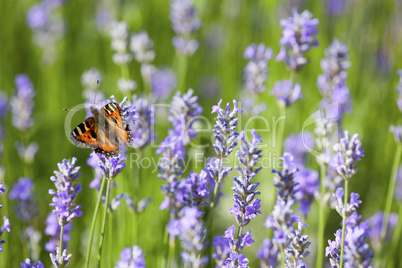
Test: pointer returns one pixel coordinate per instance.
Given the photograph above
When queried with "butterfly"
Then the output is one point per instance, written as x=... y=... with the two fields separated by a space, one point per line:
x=105 y=132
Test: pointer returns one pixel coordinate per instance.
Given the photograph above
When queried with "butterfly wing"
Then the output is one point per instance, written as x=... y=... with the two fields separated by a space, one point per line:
x=113 y=112
x=86 y=134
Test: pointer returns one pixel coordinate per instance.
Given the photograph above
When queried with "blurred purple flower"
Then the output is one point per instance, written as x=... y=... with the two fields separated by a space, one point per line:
x=398 y=188
x=298 y=37
x=376 y=223
x=131 y=258
x=256 y=70
x=163 y=82
x=22 y=194
x=268 y=253
x=3 y=105
x=53 y=229
x=27 y=154
x=336 y=7
x=185 y=47
x=22 y=103
x=126 y=85
x=142 y=47
x=397 y=131
x=37 y=16
x=299 y=145
x=222 y=250
x=308 y=185
x=119 y=42
x=286 y=92
x=399 y=90
x=63 y=198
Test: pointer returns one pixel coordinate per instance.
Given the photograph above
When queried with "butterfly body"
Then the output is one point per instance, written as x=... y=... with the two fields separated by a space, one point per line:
x=105 y=132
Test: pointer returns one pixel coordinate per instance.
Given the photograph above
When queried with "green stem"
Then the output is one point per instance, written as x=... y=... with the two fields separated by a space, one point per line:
x=110 y=220
x=391 y=189
x=165 y=245
x=172 y=242
x=137 y=183
x=395 y=241
x=321 y=218
x=183 y=62
x=91 y=235
x=345 y=202
x=104 y=222
x=61 y=243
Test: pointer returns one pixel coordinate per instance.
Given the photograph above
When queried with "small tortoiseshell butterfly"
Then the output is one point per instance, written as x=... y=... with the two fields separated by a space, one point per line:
x=105 y=132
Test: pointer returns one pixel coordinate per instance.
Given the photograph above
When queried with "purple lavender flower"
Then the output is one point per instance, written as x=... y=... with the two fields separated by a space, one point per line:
x=3 y=105
x=376 y=223
x=141 y=123
x=163 y=82
x=112 y=166
x=22 y=103
x=196 y=189
x=183 y=114
x=332 y=83
x=354 y=203
x=308 y=185
x=399 y=90
x=238 y=243
x=22 y=194
x=249 y=155
x=131 y=258
x=242 y=261
x=268 y=254
x=28 y=264
x=191 y=232
x=142 y=47
x=298 y=37
x=397 y=131
x=53 y=229
x=63 y=198
x=222 y=250
x=285 y=180
x=5 y=227
x=286 y=92
x=256 y=70
x=398 y=188
x=297 y=248
x=60 y=257
x=37 y=16
x=349 y=152
x=184 y=20
x=224 y=128
x=28 y=153
x=298 y=145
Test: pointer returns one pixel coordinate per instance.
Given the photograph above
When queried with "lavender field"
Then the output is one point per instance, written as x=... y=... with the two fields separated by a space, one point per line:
x=189 y=133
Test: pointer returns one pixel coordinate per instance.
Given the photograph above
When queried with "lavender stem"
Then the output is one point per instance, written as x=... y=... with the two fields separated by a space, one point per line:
x=391 y=189
x=61 y=243
x=104 y=222
x=91 y=235
x=322 y=219
x=345 y=203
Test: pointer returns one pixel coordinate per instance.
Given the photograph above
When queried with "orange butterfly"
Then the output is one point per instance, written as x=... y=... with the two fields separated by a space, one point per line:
x=105 y=132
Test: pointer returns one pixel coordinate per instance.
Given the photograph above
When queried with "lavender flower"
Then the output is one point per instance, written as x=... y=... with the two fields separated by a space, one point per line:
x=22 y=194
x=5 y=227
x=142 y=122
x=142 y=47
x=134 y=258
x=163 y=82
x=298 y=37
x=298 y=145
x=224 y=128
x=60 y=257
x=238 y=243
x=397 y=131
x=53 y=229
x=332 y=83
x=22 y=103
x=196 y=189
x=350 y=207
x=3 y=105
x=399 y=90
x=119 y=34
x=184 y=20
x=28 y=153
x=222 y=250
x=268 y=254
x=308 y=186
x=183 y=114
x=256 y=70
x=349 y=152
x=249 y=155
x=112 y=166
x=398 y=188
x=242 y=261
x=376 y=223
x=191 y=231
x=297 y=248
x=28 y=264
x=63 y=198
x=285 y=180
x=286 y=92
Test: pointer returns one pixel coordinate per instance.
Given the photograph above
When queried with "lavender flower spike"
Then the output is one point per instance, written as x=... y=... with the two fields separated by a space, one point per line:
x=112 y=166
x=298 y=36
x=349 y=152
x=399 y=90
x=28 y=264
x=63 y=198
x=142 y=47
x=224 y=129
x=60 y=258
x=286 y=92
x=22 y=103
x=249 y=155
x=134 y=258
x=5 y=227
